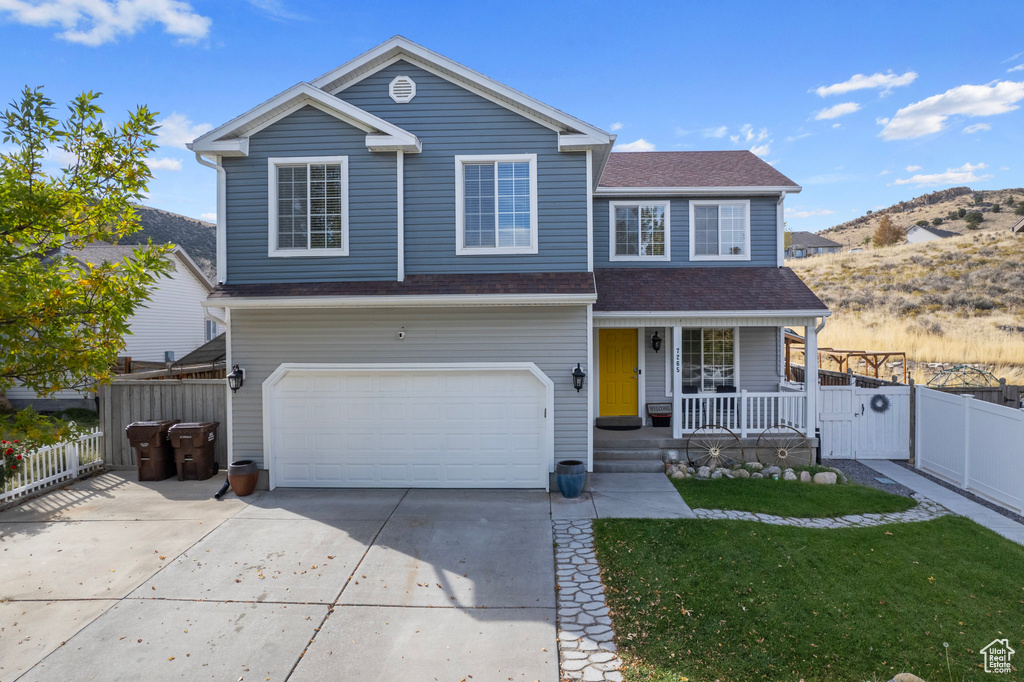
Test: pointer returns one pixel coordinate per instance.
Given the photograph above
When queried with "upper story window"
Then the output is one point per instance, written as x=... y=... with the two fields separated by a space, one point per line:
x=496 y=204
x=720 y=230
x=640 y=230
x=308 y=203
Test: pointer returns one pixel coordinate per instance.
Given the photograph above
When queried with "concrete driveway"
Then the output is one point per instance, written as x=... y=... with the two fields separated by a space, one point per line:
x=112 y=579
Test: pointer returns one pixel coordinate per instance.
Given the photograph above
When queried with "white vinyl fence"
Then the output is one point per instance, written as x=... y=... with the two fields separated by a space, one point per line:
x=53 y=464
x=974 y=444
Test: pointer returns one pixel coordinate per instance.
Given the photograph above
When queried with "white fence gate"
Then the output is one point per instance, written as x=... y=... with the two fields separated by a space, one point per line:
x=865 y=423
x=974 y=444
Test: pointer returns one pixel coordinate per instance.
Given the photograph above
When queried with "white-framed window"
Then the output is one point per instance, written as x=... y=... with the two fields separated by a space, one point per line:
x=708 y=357
x=211 y=330
x=496 y=204
x=308 y=206
x=720 y=230
x=639 y=230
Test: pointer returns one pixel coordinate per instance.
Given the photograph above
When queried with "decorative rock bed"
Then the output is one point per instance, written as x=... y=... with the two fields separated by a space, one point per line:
x=753 y=470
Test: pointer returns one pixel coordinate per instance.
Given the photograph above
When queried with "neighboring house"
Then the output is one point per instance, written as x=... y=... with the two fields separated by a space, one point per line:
x=414 y=260
x=1018 y=228
x=926 y=233
x=173 y=320
x=804 y=244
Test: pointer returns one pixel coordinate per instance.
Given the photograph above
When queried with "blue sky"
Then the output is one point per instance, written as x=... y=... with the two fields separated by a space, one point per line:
x=863 y=107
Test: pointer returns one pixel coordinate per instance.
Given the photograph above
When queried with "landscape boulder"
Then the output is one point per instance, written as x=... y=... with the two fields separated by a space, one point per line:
x=906 y=677
x=717 y=474
x=789 y=476
x=825 y=478
x=772 y=471
x=704 y=472
x=805 y=477
x=754 y=466
x=741 y=473
x=757 y=474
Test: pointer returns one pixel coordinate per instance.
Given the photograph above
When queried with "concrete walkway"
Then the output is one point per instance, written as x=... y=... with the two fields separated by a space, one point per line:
x=649 y=496
x=958 y=504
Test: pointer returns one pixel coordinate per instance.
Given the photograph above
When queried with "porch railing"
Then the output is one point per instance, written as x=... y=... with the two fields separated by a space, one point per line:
x=54 y=464
x=745 y=413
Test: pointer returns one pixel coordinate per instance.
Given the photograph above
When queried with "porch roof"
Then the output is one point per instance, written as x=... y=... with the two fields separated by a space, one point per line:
x=740 y=290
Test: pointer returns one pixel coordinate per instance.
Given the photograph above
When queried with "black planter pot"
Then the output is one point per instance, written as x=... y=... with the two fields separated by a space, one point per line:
x=571 y=475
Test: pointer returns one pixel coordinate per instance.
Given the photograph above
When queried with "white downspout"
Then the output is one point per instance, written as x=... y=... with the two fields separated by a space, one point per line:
x=400 y=183
x=222 y=219
x=780 y=217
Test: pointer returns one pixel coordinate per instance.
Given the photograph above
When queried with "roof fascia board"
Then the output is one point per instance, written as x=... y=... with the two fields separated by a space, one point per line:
x=713 y=313
x=693 y=191
x=402 y=47
x=192 y=267
x=387 y=301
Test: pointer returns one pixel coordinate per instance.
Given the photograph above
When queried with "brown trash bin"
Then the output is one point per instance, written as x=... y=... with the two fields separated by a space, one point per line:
x=193 y=449
x=152 y=448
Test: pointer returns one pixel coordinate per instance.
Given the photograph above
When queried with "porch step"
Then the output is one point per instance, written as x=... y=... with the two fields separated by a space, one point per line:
x=619 y=423
x=638 y=454
x=627 y=466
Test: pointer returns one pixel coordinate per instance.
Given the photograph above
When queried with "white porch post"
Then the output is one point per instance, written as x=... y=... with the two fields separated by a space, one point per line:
x=677 y=382
x=811 y=376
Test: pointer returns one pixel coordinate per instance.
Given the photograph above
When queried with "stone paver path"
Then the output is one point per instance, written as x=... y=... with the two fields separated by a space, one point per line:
x=926 y=510
x=585 y=646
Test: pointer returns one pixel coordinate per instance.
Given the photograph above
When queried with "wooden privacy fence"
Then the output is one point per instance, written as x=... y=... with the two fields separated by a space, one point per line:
x=974 y=444
x=190 y=400
x=827 y=377
x=1003 y=394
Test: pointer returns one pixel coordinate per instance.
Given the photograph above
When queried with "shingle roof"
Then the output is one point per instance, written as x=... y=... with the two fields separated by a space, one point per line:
x=213 y=351
x=810 y=239
x=564 y=283
x=936 y=231
x=690 y=169
x=703 y=290
x=97 y=254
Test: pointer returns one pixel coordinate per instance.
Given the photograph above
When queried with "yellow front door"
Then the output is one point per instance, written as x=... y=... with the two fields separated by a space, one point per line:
x=618 y=372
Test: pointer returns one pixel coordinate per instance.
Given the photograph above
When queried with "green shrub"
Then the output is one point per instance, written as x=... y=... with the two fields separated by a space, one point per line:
x=936 y=221
x=961 y=212
x=973 y=219
x=996 y=208
x=922 y=223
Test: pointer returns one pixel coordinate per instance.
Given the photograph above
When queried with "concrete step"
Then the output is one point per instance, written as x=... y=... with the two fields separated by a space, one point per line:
x=645 y=454
x=625 y=466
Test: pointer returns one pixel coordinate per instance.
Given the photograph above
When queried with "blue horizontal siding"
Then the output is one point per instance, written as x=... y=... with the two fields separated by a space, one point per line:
x=372 y=213
x=763 y=235
x=449 y=121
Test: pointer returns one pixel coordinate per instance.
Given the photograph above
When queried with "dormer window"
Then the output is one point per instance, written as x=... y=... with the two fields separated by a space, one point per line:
x=308 y=206
x=496 y=204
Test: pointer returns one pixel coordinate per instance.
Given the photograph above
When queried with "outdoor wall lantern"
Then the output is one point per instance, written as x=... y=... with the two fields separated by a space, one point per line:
x=236 y=378
x=656 y=342
x=577 y=378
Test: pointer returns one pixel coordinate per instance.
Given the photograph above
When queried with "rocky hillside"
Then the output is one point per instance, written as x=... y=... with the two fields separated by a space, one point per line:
x=936 y=205
x=198 y=238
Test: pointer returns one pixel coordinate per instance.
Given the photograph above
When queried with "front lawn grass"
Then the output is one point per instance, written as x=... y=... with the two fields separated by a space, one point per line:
x=789 y=498
x=741 y=600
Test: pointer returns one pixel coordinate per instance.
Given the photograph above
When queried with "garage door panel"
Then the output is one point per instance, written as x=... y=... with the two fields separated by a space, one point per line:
x=423 y=428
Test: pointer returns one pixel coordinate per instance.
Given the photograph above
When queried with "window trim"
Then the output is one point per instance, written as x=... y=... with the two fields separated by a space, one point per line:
x=460 y=205
x=612 y=205
x=272 y=209
x=746 y=231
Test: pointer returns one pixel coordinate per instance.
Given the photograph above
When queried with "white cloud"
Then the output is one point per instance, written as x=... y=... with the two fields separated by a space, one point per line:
x=208 y=217
x=911 y=169
x=95 y=22
x=717 y=133
x=837 y=125
x=747 y=131
x=977 y=128
x=177 y=129
x=930 y=115
x=881 y=81
x=794 y=138
x=615 y=127
x=762 y=149
x=885 y=172
x=164 y=164
x=837 y=111
x=791 y=213
x=640 y=145
x=953 y=176
x=275 y=9
x=1004 y=168
x=1019 y=67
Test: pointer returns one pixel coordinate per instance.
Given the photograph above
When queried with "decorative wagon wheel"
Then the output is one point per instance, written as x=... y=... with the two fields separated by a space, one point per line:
x=783 y=446
x=713 y=446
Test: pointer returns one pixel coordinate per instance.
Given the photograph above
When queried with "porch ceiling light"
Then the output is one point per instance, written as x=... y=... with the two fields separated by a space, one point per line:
x=577 y=378
x=656 y=342
x=236 y=378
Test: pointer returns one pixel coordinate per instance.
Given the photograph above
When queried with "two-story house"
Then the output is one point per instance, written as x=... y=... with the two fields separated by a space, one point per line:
x=431 y=279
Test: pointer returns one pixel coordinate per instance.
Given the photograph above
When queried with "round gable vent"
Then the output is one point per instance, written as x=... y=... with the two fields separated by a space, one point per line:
x=402 y=89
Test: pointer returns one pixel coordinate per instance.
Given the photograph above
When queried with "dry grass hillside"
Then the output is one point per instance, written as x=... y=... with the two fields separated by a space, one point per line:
x=936 y=205
x=952 y=300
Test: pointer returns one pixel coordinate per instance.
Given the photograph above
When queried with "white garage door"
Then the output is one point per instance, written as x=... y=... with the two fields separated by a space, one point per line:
x=399 y=427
